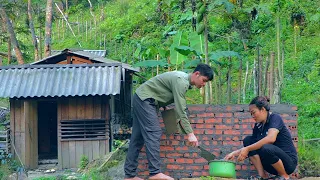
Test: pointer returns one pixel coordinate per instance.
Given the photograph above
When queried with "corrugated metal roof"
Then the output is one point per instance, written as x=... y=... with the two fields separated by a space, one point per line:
x=60 y=80
x=98 y=53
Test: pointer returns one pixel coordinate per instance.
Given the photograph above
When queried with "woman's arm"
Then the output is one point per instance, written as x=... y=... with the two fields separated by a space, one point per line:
x=269 y=139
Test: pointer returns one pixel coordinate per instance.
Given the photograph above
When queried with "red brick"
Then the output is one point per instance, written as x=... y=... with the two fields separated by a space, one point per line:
x=143 y=173
x=222 y=127
x=169 y=160
x=205 y=115
x=205 y=173
x=201 y=160
x=198 y=131
x=251 y=120
x=214 y=142
x=238 y=167
x=142 y=166
x=231 y=132
x=217 y=132
x=206 y=142
x=204 y=138
x=185 y=161
x=178 y=167
x=193 y=167
x=235 y=120
x=229 y=108
x=196 y=108
x=228 y=121
x=245 y=126
x=197 y=174
x=210 y=120
x=235 y=138
x=174 y=154
x=190 y=155
x=166 y=148
x=183 y=148
x=196 y=120
x=206 y=167
x=208 y=126
x=242 y=114
x=247 y=132
x=208 y=131
x=237 y=126
x=200 y=126
x=162 y=154
x=224 y=115
x=244 y=167
x=192 y=115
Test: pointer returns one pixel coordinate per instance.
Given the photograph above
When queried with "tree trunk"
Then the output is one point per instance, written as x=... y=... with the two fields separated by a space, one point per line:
x=260 y=74
x=254 y=74
x=271 y=86
x=0 y=61
x=245 y=82
x=33 y=34
x=12 y=35
x=239 y=82
x=207 y=88
x=229 y=76
x=278 y=70
x=48 y=31
x=265 y=78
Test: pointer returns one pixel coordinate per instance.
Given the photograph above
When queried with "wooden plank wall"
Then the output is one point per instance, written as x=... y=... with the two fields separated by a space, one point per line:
x=72 y=108
x=24 y=131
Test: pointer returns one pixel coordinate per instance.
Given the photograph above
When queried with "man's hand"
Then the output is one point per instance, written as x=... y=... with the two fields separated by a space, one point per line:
x=193 y=141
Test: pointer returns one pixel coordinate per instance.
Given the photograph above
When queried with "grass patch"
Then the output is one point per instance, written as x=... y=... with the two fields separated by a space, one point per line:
x=309 y=158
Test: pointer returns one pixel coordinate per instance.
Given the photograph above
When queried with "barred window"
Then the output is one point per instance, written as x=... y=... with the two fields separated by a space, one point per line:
x=86 y=129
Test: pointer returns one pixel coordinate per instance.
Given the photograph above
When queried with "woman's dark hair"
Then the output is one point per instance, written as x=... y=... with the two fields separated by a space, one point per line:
x=205 y=70
x=260 y=102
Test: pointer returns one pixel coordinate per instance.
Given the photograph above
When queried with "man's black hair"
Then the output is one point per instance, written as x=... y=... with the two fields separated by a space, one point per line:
x=205 y=70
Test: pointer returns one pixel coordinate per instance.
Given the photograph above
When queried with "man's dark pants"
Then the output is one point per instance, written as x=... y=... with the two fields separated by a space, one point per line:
x=270 y=154
x=145 y=130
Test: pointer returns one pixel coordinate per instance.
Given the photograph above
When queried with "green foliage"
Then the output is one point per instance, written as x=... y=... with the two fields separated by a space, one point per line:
x=46 y=178
x=5 y=171
x=309 y=158
x=84 y=161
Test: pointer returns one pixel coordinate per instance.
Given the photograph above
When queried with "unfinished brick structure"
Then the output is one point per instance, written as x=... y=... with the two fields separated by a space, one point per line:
x=221 y=129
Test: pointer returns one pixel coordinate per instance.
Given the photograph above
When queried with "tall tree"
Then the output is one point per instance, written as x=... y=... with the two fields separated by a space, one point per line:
x=12 y=34
x=48 y=31
x=34 y=39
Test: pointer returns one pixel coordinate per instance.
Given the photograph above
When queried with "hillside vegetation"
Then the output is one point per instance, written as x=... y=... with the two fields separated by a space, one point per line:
x=163 y=35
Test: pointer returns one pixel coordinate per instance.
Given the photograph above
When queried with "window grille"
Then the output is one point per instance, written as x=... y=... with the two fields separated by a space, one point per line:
x=87 y=129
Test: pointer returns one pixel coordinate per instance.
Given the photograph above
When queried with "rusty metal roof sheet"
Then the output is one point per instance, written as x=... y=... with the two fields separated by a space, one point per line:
x=99 y=53
x=60 y=80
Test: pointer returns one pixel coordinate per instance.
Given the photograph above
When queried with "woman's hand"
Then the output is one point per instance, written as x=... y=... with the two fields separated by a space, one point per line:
x=232 y=155
x=243 y=154
x=229 y=156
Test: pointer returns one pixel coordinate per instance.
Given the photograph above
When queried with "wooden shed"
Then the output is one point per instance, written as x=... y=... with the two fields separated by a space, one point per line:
x=62 y=106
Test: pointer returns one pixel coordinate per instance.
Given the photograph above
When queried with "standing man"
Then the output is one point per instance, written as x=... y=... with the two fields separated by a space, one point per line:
x=160 y=91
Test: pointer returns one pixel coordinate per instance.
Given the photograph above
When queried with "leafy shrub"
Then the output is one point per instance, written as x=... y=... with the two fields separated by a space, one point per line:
x=83 y=162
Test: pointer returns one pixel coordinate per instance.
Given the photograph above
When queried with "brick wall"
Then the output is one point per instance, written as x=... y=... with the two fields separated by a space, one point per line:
x=221 y=129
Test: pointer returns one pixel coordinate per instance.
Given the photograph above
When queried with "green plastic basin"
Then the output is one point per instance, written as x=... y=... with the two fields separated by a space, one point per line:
x=222 y=168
